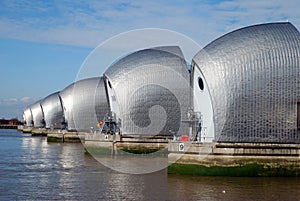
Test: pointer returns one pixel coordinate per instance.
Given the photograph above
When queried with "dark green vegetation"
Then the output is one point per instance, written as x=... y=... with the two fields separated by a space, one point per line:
x=245 y=170
x=98 y=151
x=144 y=151
x=72 y=139
x=54 y=139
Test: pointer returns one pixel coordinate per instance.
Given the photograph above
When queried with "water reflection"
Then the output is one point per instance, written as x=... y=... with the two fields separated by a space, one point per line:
x=235 y=188
x=134 y=164
x=32 y=169
x=151 y=186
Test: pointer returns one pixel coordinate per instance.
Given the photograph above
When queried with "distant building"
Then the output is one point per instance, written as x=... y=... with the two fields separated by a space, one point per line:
x=14 y=121
x=10 y=122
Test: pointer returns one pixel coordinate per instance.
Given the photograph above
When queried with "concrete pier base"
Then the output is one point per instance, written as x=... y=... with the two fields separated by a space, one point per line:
x=20 y=128
x=38 y=132
x=27 y=129
x=125 y=144
x=54 y=137
x=65 y=136
x=73 y=137
x=235 y=159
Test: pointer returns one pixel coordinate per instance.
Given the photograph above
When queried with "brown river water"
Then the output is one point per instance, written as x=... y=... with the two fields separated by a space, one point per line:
x=33 y=169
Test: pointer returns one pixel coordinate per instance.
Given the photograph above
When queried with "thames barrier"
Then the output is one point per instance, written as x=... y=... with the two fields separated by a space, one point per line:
x=233 y=110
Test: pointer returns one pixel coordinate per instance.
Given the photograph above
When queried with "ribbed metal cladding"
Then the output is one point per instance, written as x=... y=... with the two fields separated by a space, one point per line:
x=152 y=89
x=37 y=114
x=53 y=113
x=101 y=103
x=253 y=78
x=90 y=104
x=66 y=96
x=28 y=116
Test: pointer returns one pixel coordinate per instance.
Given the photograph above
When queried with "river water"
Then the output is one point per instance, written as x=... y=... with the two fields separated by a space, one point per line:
x=33 y=169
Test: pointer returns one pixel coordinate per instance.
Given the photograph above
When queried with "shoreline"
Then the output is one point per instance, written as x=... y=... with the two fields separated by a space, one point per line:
x=251 y=169
x=196 y=159
x=7 y=126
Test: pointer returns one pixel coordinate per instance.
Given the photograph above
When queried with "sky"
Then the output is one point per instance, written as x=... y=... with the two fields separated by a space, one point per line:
x=43 y=44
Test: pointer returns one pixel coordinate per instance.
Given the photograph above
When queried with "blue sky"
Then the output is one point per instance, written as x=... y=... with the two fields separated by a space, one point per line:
x=44 y=43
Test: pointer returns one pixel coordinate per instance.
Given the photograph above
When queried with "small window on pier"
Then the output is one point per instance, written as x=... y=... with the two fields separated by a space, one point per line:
x=298 y=114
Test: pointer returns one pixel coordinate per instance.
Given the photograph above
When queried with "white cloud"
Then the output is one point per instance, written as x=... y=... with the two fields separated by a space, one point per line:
x=13 y=107
x=14 y=101
x=87 y=23
x=26 y=99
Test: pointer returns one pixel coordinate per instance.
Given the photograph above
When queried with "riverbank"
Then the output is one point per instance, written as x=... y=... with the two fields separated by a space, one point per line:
x=6 y=126
x=54 y=135
x=236 y=159
x=251 y=169
x=207 y=159
x=190 y=158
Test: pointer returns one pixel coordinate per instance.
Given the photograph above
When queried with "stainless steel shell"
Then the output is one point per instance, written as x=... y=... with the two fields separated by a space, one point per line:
x=84 y=103
x=152 y=90
x=28 y=117
x=37 y=115
x=66 y=96
x=53 y=113
x=89 y=104
x=253 y=79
